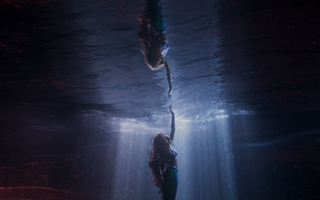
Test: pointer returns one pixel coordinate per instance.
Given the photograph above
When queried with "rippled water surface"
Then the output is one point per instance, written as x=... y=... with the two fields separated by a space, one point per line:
x=79 y=105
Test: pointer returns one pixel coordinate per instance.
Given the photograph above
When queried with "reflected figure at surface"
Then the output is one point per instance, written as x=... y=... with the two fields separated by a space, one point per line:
x=153 y=38
x=163 y=163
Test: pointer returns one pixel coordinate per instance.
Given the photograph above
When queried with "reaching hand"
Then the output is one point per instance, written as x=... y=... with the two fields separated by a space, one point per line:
x=170 y=108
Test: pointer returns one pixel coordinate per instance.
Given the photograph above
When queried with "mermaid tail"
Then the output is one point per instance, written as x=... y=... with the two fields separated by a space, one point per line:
x=170 y=183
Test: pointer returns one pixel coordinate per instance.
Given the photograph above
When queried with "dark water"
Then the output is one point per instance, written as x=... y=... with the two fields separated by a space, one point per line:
x=79 y=106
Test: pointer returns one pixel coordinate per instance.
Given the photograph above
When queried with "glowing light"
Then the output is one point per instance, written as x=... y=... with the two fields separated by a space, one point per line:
x=134 y=126
x=221 y=116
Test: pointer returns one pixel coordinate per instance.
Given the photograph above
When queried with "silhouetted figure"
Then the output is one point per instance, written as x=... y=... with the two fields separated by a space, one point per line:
x=153 y=38
x=163 y=163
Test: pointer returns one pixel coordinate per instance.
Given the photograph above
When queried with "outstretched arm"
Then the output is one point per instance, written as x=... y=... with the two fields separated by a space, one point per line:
x=173 y=129
x=169 y=78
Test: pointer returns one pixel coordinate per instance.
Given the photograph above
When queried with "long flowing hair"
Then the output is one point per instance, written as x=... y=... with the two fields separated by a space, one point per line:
x=161 y=146
x=152 y=35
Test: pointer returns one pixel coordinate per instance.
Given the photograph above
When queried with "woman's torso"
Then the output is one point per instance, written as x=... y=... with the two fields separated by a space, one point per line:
x=170 y=159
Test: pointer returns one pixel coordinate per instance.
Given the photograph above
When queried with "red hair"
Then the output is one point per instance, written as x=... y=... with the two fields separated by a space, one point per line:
x=161 y=146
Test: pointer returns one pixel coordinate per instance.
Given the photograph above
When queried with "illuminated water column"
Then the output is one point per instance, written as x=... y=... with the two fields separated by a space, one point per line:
x=225 y=158
x=133 y=178
x=205 y=162
x=182 y=144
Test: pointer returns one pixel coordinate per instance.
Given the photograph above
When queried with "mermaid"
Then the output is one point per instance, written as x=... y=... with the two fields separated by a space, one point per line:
x=153 y=38
x=163 y=163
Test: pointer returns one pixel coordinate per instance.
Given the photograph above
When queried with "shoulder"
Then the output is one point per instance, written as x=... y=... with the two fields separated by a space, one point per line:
x=173 y=150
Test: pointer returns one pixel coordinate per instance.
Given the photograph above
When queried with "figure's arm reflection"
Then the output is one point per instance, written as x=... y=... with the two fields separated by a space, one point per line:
x=169 y=79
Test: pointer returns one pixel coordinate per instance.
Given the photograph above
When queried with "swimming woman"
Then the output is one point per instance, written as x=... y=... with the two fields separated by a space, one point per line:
x=163 y=163
x=153 y=38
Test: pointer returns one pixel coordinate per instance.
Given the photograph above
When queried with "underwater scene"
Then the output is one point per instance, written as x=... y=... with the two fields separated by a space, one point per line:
x=159 y=99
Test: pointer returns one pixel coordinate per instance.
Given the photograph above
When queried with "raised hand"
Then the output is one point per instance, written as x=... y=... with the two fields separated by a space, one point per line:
x=170 y=108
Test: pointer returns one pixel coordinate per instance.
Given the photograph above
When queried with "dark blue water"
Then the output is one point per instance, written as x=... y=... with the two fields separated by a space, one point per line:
x=79 y=105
